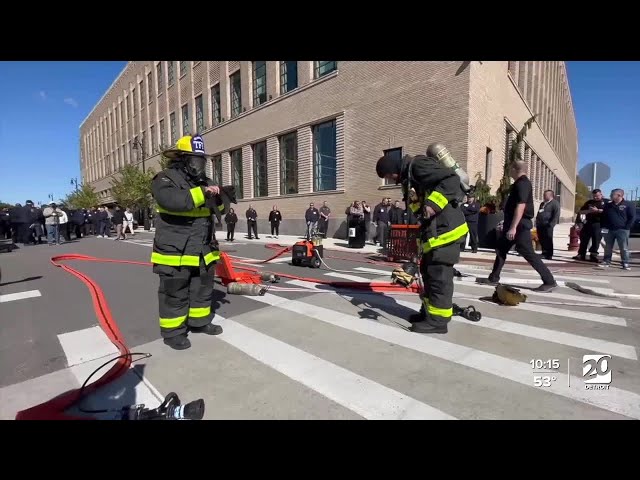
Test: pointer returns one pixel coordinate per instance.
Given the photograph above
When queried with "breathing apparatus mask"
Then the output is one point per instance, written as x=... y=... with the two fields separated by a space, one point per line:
x=194 y=166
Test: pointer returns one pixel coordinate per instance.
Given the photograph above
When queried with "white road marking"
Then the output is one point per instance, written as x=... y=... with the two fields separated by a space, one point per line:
x=614 y=400
x=554 y=336
x=561 y=312
x=84 y=345
x=368 y=399
x=478 y=272
x=532 y=281
x=12 y=297
x=374 y=270
x=351 y=278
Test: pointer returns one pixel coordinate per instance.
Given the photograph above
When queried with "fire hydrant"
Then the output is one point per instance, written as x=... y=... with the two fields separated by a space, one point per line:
x=574 y=238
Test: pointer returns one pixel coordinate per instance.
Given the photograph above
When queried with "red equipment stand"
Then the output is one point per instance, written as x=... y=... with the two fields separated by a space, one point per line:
x=402 y=242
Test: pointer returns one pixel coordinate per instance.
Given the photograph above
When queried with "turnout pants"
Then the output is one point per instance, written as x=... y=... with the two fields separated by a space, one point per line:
x=184 y=297
x=436 y=269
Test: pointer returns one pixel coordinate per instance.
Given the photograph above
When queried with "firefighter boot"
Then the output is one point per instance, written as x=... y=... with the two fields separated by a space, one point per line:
x=179 y=342
x=210 y=329
x=420 y=316
x=427 y=327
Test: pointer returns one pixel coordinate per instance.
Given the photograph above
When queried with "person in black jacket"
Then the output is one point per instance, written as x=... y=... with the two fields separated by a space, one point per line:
x=311 y=216
x=546 y=220
x=381 y=220
x=433 y=192
x=518 y=222
x=617 y=219
x=396 y=214
x=471 y=210
x=231 y=219
x=252 y=222
x=118 y=221
x=275 y=217
x=591 y=230
x=183 y=255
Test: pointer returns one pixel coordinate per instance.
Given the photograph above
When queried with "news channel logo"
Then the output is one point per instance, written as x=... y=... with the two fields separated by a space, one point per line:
x=596 y=371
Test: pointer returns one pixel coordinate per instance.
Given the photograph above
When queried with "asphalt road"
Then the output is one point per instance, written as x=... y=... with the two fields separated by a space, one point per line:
x=306 y=351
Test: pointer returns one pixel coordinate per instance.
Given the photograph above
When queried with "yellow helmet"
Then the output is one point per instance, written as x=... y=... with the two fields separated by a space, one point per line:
x=189 y=144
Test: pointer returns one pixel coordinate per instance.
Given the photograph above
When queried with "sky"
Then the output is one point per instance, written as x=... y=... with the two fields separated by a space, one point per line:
x=43 y=103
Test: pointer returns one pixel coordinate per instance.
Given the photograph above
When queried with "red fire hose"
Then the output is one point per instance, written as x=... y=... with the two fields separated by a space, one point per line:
x=55 y=408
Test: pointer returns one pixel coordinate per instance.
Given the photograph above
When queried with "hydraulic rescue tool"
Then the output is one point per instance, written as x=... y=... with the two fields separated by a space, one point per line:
x=170 y=409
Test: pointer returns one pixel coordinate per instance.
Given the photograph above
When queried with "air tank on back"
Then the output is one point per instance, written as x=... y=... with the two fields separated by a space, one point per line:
x=442 y=154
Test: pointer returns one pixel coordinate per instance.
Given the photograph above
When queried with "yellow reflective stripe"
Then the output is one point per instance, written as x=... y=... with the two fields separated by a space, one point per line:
x=196 y=212
x=414 y=207
x=199 y=312
x=439 y=199
x=212 y=256
x=175 y=260
x=198 y=196
x=172 y=322
x=221 y=207
x=440 y=312
x=446 y=238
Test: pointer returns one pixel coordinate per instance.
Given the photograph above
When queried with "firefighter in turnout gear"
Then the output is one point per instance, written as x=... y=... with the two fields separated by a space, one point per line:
x=433 y=193
x=184 y=255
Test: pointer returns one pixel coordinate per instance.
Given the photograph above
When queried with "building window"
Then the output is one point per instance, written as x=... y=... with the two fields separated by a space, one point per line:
x=260 y=177
x=126 y=101
x=396 y=154
x=217 y=169
x=236 y=94
x=215 y=104
x=199 y=114
x=324 y=156
x=183 y=68
x=323 y=68
x=135 y=102
x=160 y=77
x=288 y=76
x=488 y=160
x=149 y=87
x=237 y=173
x=289 y=164
x=172 y=129
x=163 y=133
x=152 y=139
x=185 y=119
x=171 y=66
x=141 y=89
x=259 y=83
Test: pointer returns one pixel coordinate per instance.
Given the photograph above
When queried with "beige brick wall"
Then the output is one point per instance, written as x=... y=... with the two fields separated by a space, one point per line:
x=494 y=99
x=377 y=106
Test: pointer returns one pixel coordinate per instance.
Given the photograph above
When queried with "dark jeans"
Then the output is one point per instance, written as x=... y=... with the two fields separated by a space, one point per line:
x=252 y=227
x=231 y=228
x=590 y=232
x=545 y=237
x=275 y=229
x=522 y=241
x=473 y=237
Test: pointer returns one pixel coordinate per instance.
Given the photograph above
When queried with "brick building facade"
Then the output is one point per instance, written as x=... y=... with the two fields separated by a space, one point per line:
x=287 y=133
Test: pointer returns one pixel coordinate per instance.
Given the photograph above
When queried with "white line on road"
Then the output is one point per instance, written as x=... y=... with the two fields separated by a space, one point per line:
x=82 y=346
x=368 y=399
x=561 y=312
x=593 y=345
x=351 y=278
x=615 y=400
x=11 y=297
x=374 y=270
x=517 y=271
x=533 y=281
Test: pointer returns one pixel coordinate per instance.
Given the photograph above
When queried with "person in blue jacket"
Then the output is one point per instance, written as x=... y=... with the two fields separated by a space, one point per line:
x=617 y=219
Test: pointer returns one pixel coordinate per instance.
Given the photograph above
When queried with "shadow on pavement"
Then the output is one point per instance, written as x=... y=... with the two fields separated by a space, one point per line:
x=27 y=279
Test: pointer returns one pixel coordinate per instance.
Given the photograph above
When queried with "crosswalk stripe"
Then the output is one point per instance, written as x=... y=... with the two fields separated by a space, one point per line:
x=81 y=346
x=12 y=297
x=533 y=307
x=485 y=272
x=614 y=400
x=548 y=335
x=345 y=276
x=367 y=398
x=533 y=281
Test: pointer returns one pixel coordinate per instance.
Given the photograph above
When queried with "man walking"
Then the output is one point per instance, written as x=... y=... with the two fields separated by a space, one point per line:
x=547 y=218
x=591 y=230
x=617 y=219
x=518 y=215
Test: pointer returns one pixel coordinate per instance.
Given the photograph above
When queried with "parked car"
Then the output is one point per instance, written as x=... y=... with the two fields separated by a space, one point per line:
x=635 y=229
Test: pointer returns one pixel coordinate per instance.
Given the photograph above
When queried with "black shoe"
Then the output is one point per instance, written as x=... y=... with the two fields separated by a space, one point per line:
x=257 y=238
x=546 y=287
x=426 y=327
x=486 y=281
x=415 y=318
x=579 y=257
x=594 y=259
x=210 y=329
x=181 y=342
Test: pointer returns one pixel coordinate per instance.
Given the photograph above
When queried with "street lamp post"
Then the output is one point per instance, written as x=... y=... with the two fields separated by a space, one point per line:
x=138 y=145
x=74 y=181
